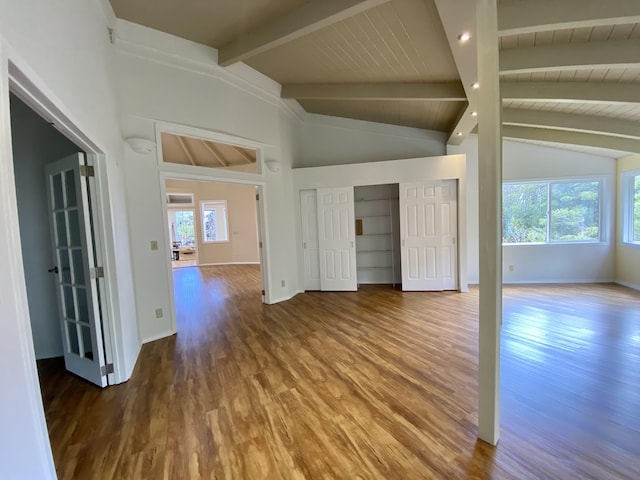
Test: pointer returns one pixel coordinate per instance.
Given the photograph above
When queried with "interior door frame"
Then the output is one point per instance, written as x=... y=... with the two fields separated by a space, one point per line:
x=203 y=174
x=21 y=86
x=35 y=93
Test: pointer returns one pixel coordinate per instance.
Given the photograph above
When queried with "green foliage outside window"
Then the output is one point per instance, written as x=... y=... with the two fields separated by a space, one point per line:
x=636 y=209
x=551 y=212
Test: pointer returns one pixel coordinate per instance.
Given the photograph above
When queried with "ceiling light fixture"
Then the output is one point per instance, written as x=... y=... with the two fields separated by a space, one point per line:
x=475 y=85
x=474 y=114
x=464 y=37
x=459 y=134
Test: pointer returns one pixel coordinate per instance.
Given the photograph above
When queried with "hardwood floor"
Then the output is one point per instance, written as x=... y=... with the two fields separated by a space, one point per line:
x=370 y=384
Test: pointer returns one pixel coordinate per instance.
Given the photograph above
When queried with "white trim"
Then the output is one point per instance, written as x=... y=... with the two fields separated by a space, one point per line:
x=226 y=263
x=189 y=172
x=627 y=205
x=158 y=336
x=627 y=284
x=152 y=45
x=37 y=99
x=560 y=281
x=14 y=299
x=286 y=297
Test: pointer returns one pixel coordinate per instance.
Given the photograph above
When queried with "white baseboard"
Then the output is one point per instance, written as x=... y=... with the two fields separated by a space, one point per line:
x=158 y=336
x=545 y=282
x=226 y=263
x=627 y=284
x=285 y=298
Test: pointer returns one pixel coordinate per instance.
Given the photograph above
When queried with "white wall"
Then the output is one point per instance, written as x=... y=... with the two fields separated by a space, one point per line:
x=189 y=89
x=335 y=141
x=63 y=49
x=546 y=263
x=627 y=256
x=36 y=143
x=392 y=171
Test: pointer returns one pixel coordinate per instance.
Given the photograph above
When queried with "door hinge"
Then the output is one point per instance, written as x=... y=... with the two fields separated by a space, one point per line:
x=263 y=293
x=106 y=369
x=97 y=272
x=257 y=196
x=87 y=171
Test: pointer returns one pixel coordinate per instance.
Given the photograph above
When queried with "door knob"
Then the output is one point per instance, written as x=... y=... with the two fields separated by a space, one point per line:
x=53 y=270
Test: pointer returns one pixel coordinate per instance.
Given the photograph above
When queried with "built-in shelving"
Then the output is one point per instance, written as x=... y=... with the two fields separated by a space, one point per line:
x=377 y=249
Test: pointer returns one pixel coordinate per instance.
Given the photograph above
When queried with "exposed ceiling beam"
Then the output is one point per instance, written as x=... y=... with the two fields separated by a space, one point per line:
x=215 y=153
x=244 y=155
x=571 y=56
x=186 y=150
x=571 y=121
x=459 y=16
x=438 y=91
x=525 y=16
x=571 y=92
x=572 y=138
x=306 y=19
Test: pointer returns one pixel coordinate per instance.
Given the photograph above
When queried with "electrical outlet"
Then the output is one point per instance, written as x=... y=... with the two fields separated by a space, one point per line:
x=158 y=313
x=154 y=245
x=282 y=283
x=511 y=268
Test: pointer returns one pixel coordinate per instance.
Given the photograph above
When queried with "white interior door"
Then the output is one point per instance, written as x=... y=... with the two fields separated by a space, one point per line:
x=75 y=270
x=428 y=230
x=336 y=239
x=309 y=214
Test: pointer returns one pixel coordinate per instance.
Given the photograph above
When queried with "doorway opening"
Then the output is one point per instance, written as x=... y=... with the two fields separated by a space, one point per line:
x=63 y=273
x=215 y=206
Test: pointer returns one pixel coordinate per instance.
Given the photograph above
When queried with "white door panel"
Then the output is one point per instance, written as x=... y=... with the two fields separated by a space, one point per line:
x=75 y=273
x=311 y=252
x=336 y=239
x=428 y=226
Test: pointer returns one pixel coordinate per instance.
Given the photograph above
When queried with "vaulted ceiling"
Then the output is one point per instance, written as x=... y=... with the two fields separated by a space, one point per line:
x=570 y=69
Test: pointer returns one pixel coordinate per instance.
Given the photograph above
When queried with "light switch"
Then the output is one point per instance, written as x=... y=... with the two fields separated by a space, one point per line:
x=154 y=245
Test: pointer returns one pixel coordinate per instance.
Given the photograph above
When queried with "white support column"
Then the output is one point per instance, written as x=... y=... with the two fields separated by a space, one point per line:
x=490 y=231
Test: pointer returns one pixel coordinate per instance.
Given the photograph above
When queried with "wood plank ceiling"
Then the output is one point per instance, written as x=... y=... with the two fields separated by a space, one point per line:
x=570 y=69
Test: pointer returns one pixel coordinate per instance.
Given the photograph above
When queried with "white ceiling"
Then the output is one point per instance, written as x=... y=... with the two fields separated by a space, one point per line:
x=570 y=69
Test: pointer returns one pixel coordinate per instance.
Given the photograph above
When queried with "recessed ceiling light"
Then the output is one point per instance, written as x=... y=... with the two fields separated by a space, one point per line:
x=459 y=134
x=475 y=85
x=464 y=37
x=474 y=114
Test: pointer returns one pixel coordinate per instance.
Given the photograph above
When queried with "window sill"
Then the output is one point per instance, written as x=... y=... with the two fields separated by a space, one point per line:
x=556 y=244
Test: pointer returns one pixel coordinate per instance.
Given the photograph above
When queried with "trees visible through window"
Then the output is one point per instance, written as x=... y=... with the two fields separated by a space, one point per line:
x=542 y=212
x=182 y=227
x=214 y=221
x=631 y=207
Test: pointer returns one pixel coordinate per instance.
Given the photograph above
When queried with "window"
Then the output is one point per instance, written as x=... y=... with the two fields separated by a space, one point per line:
x=215 y=226
x=551 y=212
x=181 y=227
x=631 y=207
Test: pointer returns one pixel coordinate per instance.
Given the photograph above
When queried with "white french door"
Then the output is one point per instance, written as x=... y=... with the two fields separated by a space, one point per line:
x=75 y=270
x=309 y=214
x=428 y=231
x=336 y=239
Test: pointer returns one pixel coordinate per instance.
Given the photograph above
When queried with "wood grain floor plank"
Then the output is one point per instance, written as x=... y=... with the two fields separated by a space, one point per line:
x=375 y=384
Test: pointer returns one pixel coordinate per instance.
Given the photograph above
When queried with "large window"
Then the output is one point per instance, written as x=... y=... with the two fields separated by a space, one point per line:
x=215 y=226
x=631 y=207
x=551 y=212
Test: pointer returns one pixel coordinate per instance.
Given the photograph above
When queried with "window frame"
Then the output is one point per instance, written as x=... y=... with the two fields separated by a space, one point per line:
x=628 y=207
x=555 y=181
x=216 y=204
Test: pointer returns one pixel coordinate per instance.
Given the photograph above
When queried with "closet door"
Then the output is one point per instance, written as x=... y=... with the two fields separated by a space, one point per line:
x=309 y=214
x=428 y=230
x=336 y=239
